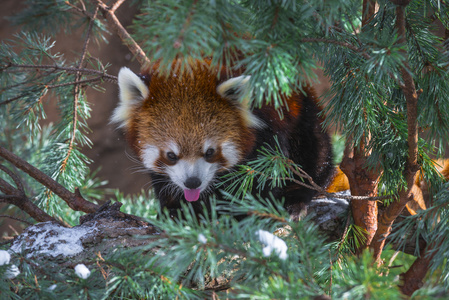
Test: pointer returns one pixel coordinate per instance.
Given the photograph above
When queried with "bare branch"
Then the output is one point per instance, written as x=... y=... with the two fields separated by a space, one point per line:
x=413 y=278
x=17 y=219
x=72 y=70
x=313 y=186
x=17 y=197
x=79 y=82
x=116 y=5
x=74 y=200
x=339 y=43
x=15 y=178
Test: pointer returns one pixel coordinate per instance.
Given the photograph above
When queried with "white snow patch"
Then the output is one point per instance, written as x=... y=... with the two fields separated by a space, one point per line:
x=12 y=272
x=202 y=239
x=5 y=257
x=82 y=271
x=52 y=239
x=271 y=243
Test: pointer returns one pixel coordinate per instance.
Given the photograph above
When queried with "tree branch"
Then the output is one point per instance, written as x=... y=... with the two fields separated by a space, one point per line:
x=72 y=70
x=127 y=40
x=74 y=200
x=17 y=197
x=408 y=87
x=339 y=43
x=18 y=219
x=413 y=278
x=363 y=182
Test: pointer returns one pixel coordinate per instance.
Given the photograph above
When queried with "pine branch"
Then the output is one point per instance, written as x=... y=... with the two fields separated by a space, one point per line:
x=178 y=41
x=102 y=74
x=74 y=200
x=387 y=219
x=127 y=40
x=76 y=90
x=79 y=82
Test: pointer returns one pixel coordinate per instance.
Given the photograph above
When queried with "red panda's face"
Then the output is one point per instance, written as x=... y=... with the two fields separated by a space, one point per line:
x=186 y=127
x=191 y=170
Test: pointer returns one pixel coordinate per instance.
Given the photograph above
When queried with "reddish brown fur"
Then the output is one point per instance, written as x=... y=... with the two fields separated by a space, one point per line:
x=200 y=112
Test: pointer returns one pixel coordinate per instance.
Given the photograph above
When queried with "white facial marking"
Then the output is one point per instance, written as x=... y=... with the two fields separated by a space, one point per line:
x=184 y=169
x=149 y=155
x=173 y=147
x=208 y=144
x=230 y=152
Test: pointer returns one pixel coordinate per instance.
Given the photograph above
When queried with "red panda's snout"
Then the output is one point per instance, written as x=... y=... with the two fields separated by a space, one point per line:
x=190 y=172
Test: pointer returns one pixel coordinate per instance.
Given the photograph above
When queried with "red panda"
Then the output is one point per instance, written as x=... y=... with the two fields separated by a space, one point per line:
x=190 y=128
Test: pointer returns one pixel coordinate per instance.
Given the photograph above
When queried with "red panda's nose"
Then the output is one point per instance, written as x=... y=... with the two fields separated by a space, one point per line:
x=192 y=183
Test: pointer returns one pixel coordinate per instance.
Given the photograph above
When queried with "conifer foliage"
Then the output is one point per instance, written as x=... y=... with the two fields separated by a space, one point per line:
x=388 y=64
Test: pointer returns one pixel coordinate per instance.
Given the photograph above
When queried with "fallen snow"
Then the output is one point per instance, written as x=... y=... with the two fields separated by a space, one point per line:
x=82 y=271
x=12 y=272
x=271 y=243
x=202 y=239
x=52 y=287
x=5 y=257
x=52 y=239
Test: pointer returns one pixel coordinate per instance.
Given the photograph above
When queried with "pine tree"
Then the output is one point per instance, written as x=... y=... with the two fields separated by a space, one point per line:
x=388 y=65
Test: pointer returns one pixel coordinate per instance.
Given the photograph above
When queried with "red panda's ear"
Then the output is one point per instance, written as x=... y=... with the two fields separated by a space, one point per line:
x=238 y=91
x=133 y=91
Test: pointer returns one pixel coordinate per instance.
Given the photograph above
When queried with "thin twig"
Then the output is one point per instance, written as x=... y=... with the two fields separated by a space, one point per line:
x=15 y=178
x=106 y=77
x=339 y=43
x=17 y=219
x=91 y=80
x=81 y=11
x=116 y=5
x=126 y=38
x=313 y=186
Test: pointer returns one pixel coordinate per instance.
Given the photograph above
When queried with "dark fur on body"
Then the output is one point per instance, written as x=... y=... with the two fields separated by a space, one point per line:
x=301 y=139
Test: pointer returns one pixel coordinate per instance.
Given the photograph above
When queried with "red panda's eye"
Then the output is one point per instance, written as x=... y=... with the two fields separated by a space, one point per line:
x=172 y=157
x=209 y=153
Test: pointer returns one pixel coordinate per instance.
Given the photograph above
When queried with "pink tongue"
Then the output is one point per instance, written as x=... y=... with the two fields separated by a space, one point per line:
x=192 y=195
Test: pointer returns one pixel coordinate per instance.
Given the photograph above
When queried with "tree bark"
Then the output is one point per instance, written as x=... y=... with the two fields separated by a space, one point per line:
x=363 y=182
